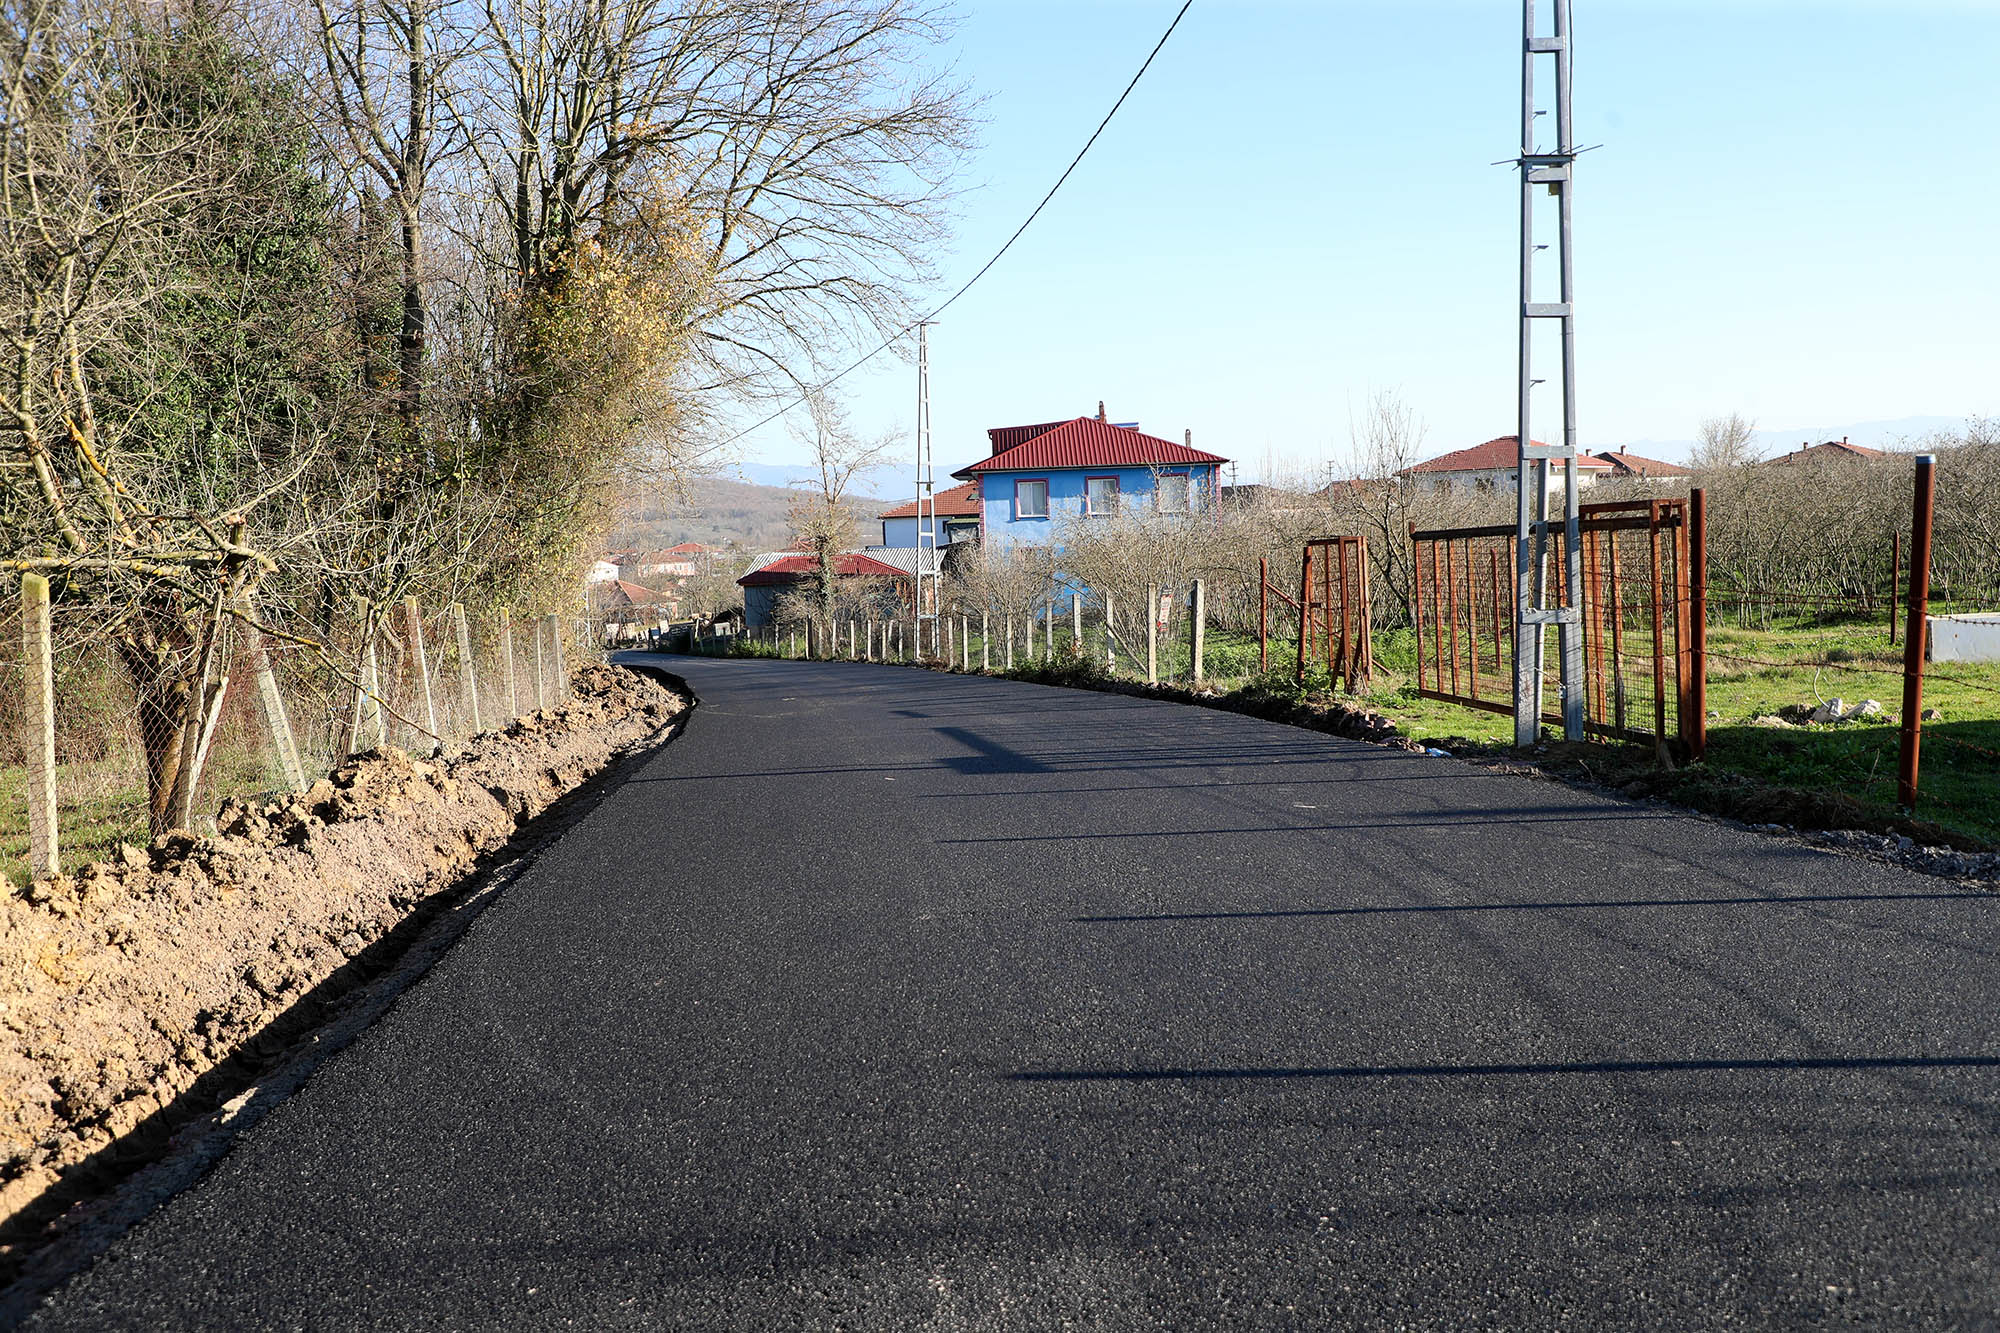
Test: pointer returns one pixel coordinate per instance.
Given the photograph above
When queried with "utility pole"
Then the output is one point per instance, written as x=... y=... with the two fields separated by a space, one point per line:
x=1535 y=464
x=927 y=550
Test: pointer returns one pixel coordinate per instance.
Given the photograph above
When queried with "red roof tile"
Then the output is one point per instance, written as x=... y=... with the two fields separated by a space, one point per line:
x=1497 y=453
x=1829 y=449
x=1632 y=465
x=792 y=568
x=957 y=502
x=1088 y=442
x=617 y=592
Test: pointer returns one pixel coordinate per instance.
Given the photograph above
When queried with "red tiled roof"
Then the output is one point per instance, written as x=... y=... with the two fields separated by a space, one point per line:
x=792 y=568
x=1828 y=449
x=1501 y=452
x=957 y=502
x=1088 y=442
x=690 y=548
x=617 y=592
x=1632 y=465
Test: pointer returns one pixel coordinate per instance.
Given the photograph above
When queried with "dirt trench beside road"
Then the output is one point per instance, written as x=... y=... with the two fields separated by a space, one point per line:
x=122 y=986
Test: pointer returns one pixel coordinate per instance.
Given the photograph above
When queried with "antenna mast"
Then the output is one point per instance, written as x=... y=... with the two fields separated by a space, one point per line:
x=1535 y=464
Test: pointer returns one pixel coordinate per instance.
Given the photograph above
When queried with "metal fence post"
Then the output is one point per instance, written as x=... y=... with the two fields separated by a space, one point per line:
x=38 y=722
x=1697 y=736
x=1916 y=632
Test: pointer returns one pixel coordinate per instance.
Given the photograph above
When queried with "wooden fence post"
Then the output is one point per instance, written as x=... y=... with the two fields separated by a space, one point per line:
x=38 y=723
x=1198 y=628
x=273 y=703
x=378 y=727
x=422 y=661
x=468 y=680
x=1152 y=633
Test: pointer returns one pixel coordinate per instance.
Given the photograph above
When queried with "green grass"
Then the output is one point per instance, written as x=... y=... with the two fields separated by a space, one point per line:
x=101 y=804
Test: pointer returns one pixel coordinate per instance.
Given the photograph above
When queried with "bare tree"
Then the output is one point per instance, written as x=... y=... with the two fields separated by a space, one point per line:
x=822 y=524
x=1724 y=442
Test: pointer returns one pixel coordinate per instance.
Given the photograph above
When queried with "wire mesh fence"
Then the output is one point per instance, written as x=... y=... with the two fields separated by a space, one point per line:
x=153 y=722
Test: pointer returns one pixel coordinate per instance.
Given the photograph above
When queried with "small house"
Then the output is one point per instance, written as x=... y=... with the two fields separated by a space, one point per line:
x=1086 y=467
x=763 y=586
x=958 y=515
x=1494 y=466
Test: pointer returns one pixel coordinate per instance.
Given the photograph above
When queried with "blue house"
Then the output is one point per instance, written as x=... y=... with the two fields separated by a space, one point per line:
x=1085 y=467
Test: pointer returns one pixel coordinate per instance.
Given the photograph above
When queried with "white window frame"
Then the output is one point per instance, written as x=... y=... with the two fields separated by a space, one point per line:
x=1019 y=512
x=1187 y=493
x=1117 y=491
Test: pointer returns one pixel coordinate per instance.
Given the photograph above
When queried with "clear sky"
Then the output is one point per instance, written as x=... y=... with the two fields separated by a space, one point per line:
x=1795 y=216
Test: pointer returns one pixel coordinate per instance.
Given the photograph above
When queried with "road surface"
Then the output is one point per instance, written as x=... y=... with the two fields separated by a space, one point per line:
x=890 y=1000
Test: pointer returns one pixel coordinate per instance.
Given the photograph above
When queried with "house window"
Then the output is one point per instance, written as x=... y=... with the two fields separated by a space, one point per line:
x=1172 y=488
x=1100 y=496
x=1031 y=499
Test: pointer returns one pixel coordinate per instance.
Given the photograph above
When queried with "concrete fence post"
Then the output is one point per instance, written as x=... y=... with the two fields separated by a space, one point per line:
x=1010 y=640
x=507 y=662
x=468 y=678
x=965 y=642
x=541 y=686
x=422 y=663
x=1110 y=637
x=38 y=724
x=985 y=641
x=272 y=702
x=1152 y=633
x=1198 y=628
x=1076 y=623
x=560 y=686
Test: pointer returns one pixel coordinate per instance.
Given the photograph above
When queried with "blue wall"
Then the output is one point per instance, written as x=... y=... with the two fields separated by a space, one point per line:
x=1066 y=489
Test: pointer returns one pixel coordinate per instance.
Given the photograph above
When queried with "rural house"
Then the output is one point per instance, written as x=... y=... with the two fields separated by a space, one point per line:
x=1631 y=467
x=1829 y=451
x=1491 y=467
x=1085 y=467
x=764 y=585
x=958 y=513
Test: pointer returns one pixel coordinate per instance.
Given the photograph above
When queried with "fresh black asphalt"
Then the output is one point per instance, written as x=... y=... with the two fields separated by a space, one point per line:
x=896 y=1001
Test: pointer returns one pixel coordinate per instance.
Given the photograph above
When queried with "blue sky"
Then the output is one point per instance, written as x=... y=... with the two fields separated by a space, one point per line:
x=1795 y=215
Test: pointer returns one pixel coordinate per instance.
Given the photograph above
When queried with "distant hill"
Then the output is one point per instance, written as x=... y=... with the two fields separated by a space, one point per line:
x=723 y=513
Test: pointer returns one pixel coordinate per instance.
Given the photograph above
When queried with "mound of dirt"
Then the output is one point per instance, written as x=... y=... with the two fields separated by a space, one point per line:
x=122 y=985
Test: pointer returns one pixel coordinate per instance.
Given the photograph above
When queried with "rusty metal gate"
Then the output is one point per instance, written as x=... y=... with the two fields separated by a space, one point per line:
x=1644 y=639
x=1332 y=606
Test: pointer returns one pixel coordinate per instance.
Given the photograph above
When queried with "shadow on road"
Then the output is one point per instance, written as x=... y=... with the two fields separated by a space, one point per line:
x=1799 y=1064
x=1615 y=903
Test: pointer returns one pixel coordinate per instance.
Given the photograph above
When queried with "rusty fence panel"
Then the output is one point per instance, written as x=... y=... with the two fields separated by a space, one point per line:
x=1336 y=631
x=1644 y=653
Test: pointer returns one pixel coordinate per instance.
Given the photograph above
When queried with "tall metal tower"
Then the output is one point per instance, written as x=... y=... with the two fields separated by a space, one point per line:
x=1535 y=465
x=927 y=550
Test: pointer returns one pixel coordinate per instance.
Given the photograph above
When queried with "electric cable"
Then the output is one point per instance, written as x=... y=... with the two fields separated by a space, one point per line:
x=903 y=332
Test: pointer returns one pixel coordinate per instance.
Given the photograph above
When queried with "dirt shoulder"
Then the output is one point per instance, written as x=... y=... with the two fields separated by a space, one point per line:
x=121 y=987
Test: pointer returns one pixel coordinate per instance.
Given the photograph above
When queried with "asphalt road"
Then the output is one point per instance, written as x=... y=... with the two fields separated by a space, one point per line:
x=895 y=1001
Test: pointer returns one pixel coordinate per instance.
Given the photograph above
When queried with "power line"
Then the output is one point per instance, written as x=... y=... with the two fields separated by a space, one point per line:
x=1075 y=162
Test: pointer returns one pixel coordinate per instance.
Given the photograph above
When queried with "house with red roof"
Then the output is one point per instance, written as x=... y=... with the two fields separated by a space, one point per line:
x=1829 y=451
x=763 y=585
x=1086 y=467
x=1627 y=466
x=958 y=515
x=1493 y=466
